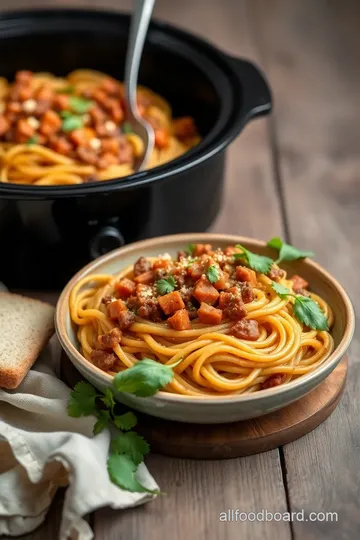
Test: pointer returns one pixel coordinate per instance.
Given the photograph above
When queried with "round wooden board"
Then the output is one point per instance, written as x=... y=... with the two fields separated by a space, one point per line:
x=240 y=438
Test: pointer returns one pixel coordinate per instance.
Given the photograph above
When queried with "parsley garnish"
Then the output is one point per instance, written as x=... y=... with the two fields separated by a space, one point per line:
x=65 y=90
x=165 y=285
x=128 y=449
x=72 y=122
x=127 y=127
x=79 y=104
x=190 y=249
x=144 y=378
x=259 y=263
x=306 y=310
x=213 y=273
x=286 y=251
x=32 y=140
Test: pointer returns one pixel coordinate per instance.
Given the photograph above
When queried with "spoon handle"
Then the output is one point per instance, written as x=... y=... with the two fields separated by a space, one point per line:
x=137 y=34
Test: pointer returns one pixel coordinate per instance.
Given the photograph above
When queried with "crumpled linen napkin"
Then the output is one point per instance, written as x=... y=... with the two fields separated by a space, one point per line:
x=42 y=448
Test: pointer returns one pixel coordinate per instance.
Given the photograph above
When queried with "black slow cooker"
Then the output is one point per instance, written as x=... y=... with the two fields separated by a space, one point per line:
x=48 y=233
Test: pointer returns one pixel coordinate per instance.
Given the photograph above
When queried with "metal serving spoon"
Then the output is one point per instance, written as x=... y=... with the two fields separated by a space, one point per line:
x=137 y=34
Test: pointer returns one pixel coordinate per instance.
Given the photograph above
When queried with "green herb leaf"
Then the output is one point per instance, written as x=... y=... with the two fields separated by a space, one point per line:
x=122 y=473
x=108 y=399
x=80 y=105
x=143 y=379
x=125 y=421
x=131 y=444
x=82 y=400
x=65 y=90
x=32 y=140
x=281 y=290
x=66 y=114
x=127 y=127
x=72 y=122
x=190 y=249
x=259 y=263
x=308 y=312
x=103 y=419
x=213 y=273
x=166 y=285
x=286 y=251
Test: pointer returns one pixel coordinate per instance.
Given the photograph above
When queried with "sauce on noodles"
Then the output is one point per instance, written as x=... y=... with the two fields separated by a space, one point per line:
x=226 y=322
x=73 y=130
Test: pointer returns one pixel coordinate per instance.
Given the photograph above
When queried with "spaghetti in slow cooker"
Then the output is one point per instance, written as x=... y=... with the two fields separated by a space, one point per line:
x=58 y=131
x=233 y=329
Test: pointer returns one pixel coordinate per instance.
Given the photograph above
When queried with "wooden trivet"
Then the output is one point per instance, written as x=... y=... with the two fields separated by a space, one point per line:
x=222 y=441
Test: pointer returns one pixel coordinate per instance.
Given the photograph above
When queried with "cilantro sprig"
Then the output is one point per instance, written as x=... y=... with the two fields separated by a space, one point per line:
x=128 y=448
x=213 y=273
x=32 y=140
x=165 y=285
x=286 y=251
x=259 y=263
x=190 y=249
x=306 y=310
x=79 y=104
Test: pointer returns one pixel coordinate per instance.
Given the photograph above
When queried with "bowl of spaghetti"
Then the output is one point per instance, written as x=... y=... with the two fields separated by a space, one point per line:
x=247 y=330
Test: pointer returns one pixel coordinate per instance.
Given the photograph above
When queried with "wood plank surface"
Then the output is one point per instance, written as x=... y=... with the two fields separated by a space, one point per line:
x=311 y=52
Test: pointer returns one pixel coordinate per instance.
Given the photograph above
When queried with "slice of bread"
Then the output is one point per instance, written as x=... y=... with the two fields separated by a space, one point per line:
x=26 y=326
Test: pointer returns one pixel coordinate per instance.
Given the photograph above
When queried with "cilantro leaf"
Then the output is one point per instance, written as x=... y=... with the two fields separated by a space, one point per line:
x=259 y=263
x=103 y=419
x=125 y=421
x=32 y=140
x=286 y=251
x=190 y=249
x=131 y=444
x=122 y=473
x=72 y=122
x=143 y=379
x=281 y=290
x=82 y=400
x=165 y=285
x=127 y=127
x=108 y=399
x=79 y=104
x=308 y=312
x=213 y=273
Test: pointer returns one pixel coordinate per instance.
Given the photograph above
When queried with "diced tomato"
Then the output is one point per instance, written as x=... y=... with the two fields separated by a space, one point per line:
x=23 y=130
x=196 y=270
x=245 y=274
x=209 y=315
x=110 y=145
x=60 y=145
x=161 y=138
x=171 y=302
x=44 y=93
x=115 y=308
x=160 y=263
x=25 y=92
x=205 y=292
x=125 y=287
x=184 y=127
x=146 y=277
x=23 y=76
x=201 y=249
x=299 y=282
x=222 y=282
x=61 y=101
x=51 y=123
x=180 y=320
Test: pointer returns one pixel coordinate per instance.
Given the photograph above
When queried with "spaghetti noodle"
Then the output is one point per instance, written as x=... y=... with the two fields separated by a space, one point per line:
x=73 y=130
x=226 y=322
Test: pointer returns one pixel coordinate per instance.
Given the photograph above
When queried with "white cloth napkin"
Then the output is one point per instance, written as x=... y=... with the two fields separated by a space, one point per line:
x=42 y=448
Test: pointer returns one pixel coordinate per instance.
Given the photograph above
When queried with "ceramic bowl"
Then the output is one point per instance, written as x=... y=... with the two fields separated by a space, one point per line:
x=210 y=410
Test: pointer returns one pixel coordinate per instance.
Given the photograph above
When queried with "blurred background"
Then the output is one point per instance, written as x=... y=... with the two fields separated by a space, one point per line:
x=294 y=173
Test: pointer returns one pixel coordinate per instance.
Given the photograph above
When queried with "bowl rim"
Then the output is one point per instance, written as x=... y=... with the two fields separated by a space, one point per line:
x=62 y=311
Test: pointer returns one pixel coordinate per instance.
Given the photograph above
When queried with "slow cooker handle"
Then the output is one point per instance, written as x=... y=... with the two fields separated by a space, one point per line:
x=256 y=94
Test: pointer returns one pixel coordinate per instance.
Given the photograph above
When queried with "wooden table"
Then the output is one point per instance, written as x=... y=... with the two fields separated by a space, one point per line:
x=296 y=175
